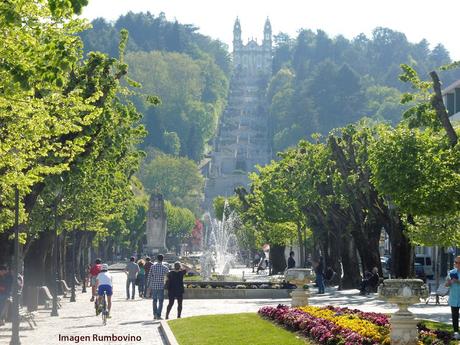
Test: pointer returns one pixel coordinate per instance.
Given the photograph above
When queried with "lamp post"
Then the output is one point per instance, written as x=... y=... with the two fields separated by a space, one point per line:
x=57 y=191
x=72 y=295
x=54 y=310
x=15 y=322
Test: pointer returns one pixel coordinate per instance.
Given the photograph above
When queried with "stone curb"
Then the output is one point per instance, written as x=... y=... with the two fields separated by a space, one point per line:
x=169 y=337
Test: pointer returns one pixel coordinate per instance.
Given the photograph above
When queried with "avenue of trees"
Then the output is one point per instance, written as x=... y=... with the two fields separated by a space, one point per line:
x=71 y=129
x=73 y=122
x=336 y=194
x=69 y=136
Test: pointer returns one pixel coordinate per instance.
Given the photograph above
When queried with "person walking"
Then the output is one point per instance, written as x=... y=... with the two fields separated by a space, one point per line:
x=6 y=284
x=131 y=269
x=319 y=271
x=140 y=281
x=175 y=286
x=148 y=264
x=454 y=295
x=156 y=284
x=291 y=261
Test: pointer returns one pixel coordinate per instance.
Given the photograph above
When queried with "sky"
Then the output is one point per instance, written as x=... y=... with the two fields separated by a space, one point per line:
x=416 y=19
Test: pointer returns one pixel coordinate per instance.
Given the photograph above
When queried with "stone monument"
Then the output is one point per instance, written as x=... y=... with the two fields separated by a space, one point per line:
x=156 y=226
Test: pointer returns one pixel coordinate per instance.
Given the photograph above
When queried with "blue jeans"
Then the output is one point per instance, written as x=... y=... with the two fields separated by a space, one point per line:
x=158 y=295
x=320 y=283
x=132 y=282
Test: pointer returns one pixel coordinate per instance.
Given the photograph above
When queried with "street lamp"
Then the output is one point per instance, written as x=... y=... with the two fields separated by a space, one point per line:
x=15 y=322
x=72 y=295
x=57 y=193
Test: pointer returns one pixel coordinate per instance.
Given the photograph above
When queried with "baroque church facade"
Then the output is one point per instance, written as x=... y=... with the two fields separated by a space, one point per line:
x=242 y=140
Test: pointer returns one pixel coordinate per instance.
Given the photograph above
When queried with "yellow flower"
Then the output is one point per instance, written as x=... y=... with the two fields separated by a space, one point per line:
x=349 y=321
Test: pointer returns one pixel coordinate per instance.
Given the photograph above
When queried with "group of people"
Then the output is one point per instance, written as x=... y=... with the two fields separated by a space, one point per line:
x=151 y=279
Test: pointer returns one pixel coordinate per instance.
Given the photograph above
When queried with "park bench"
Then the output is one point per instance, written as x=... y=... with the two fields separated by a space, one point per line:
x=24 y=315
x=438 y=296
x=63 y=288
x=45 y=298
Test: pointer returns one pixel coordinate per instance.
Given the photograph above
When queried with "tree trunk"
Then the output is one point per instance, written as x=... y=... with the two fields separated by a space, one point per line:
x=37 y=269
x=367 y=243
x=438 y=105
x=277 y=258
x=351 y=278
x=402 y=252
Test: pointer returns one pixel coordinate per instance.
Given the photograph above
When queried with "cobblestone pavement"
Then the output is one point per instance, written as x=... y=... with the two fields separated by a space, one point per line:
x=134 y=317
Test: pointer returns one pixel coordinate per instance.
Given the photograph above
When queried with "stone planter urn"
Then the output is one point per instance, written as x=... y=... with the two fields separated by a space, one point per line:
x=403 y=292
x=300 y=277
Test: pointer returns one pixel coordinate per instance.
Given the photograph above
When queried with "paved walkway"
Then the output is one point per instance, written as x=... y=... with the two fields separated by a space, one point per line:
x=134 y=317
x=129 y=317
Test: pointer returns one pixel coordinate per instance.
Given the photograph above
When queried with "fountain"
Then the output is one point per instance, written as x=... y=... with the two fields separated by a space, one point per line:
x=219 y=255
x=220 y=246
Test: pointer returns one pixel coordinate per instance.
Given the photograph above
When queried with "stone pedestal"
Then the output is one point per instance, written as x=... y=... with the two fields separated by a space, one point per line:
x=403 y=292
x=403 y=329
x=299 y=297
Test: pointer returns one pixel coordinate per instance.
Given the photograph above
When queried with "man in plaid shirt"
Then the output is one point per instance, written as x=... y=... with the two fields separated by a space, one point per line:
x=156 y=284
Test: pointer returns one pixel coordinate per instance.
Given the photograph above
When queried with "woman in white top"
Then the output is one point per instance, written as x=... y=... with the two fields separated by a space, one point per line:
x=104 y=284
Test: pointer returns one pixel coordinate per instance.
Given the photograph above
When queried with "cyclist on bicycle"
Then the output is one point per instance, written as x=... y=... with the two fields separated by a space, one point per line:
x=104 y=284
x=93 y=272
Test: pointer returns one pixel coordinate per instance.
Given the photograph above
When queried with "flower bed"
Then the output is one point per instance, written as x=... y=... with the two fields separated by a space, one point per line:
x=342 y=326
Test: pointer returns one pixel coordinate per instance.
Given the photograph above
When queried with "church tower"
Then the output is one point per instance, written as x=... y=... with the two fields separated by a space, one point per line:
x=267 y=42
x=237 y=42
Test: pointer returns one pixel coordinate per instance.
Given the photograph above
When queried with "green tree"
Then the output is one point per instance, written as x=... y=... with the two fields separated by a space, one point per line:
x=176 y=178
x=181 y=222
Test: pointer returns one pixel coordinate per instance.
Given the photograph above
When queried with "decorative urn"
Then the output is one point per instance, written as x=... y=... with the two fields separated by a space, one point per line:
x=300 y=277
x=403 y=292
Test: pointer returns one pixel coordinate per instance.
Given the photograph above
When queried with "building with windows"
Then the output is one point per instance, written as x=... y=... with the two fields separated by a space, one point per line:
x=451 y=96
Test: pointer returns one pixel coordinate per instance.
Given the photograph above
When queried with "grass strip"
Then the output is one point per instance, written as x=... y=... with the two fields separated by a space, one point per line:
x=232 y=329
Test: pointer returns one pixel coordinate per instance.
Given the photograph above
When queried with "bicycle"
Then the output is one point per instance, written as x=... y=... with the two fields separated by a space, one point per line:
x=105 y=312
x=102 y=310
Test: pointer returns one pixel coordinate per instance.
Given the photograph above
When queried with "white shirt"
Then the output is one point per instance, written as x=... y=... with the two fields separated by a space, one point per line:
x=104 y=278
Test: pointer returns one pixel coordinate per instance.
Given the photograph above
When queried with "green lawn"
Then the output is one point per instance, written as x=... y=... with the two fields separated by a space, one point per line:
x=232 y=329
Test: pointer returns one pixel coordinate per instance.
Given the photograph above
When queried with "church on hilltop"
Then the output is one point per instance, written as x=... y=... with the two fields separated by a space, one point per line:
x=252 y=58
x=242 y=140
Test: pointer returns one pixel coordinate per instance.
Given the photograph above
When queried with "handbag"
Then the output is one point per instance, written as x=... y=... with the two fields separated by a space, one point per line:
x=442 y=290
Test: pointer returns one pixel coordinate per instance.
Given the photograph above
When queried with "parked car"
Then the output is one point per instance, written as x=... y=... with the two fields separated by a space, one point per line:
x=427 y=264
x=385 y=262
x=419 y=271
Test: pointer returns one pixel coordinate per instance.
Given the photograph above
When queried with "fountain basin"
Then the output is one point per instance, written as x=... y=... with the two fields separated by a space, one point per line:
x=222 y=293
